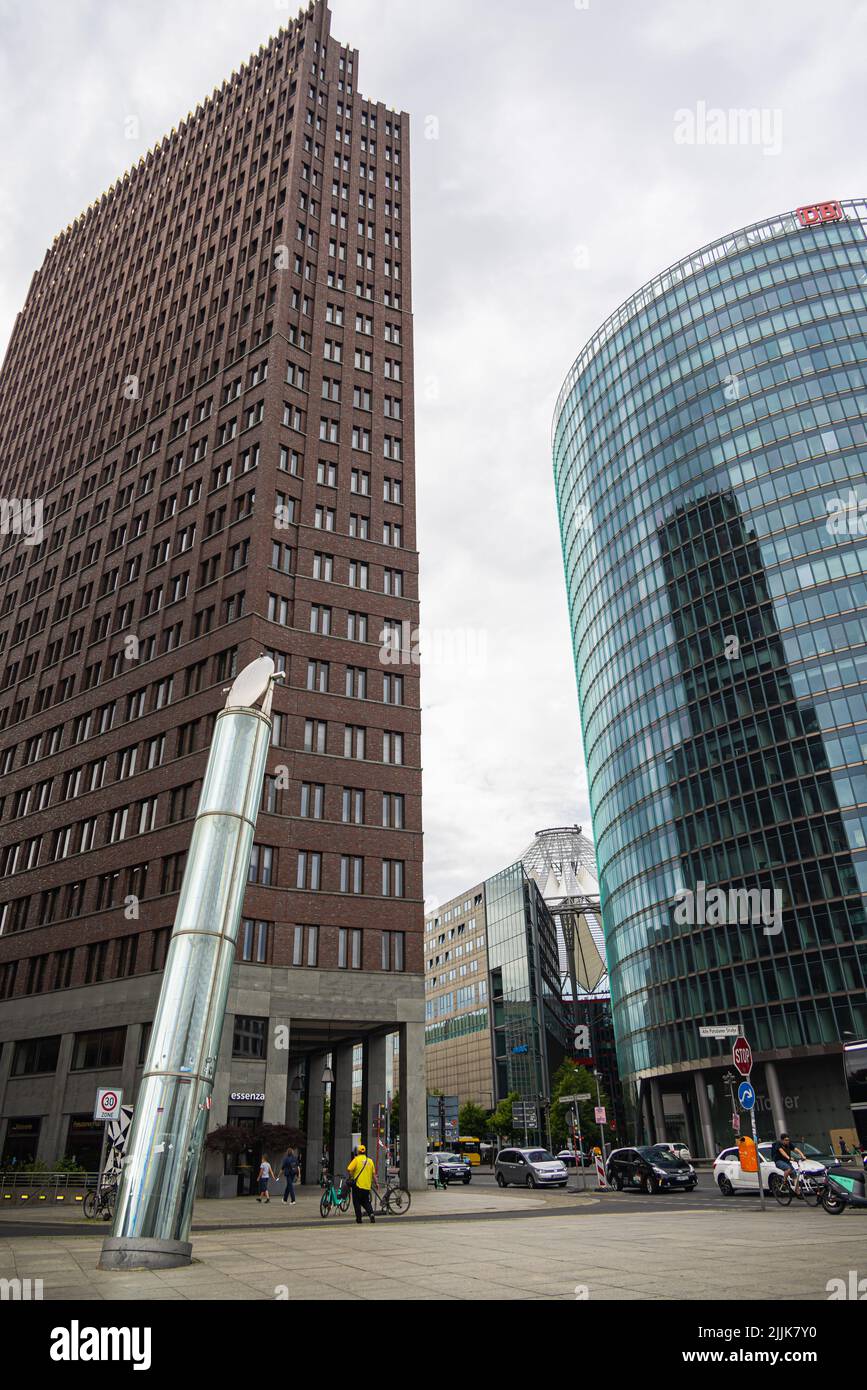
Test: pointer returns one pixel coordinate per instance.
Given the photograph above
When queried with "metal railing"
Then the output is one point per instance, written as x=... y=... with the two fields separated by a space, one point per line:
x=36 y=1188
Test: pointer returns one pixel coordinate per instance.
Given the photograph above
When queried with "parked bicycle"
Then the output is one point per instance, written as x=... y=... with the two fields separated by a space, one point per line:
x=809 y=1190
x=100 y=1201
x=392 y=1199
x=334 y=1198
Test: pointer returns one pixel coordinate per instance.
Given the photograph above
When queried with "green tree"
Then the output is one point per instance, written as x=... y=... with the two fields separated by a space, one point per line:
x=473 y=1121
x=572 y=1080
x=501 y=1119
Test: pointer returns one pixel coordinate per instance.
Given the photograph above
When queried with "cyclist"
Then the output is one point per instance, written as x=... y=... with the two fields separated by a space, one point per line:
x=362 y=1173
x=783 y=1152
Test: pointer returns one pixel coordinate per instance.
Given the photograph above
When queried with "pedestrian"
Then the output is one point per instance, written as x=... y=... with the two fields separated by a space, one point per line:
x=362 y=1174
x=290 y=1173
x=266 y=1176
x=843 y=1149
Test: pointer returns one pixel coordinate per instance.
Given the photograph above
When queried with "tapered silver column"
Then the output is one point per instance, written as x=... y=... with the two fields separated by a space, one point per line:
x=155 y=1202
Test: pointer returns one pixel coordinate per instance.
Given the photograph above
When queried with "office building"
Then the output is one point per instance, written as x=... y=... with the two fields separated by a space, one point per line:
x=497 y=1021
x=206 y=424
x=710 y=459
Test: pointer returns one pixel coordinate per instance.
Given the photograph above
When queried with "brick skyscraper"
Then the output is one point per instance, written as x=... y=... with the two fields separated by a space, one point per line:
x=209 y=392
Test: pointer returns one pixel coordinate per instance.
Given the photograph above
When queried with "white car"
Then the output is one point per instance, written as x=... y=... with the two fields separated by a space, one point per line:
x=730 y=1177
x=677 y=1150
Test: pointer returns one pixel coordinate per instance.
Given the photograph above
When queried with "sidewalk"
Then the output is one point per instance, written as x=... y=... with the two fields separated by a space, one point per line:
x=678 y=1254
x=213 y=1214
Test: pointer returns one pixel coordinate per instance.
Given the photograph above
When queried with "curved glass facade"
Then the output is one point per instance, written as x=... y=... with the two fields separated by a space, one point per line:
x=710 y=460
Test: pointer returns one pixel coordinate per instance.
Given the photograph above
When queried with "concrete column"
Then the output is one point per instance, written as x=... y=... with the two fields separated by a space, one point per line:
x=775 y=1095
x=293 y=1098
x=6 y=1052
x=372 y=1088
x=413 y=1106
x=341 y=1102
x=276 y=1081
x=657 y=1111
x=315 y=1116
x=130 y=1062
x=646 y=1121
x=223 y=1077
x=51 y=1139
x=704 y=1115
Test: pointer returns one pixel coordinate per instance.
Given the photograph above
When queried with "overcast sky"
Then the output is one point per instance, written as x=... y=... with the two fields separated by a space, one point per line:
x=563 y=174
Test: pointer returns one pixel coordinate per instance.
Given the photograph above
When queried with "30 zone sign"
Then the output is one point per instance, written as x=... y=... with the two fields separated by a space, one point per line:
x=108 y=1102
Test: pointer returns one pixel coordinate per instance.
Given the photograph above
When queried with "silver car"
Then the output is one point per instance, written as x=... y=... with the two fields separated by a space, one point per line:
x=529 y=1168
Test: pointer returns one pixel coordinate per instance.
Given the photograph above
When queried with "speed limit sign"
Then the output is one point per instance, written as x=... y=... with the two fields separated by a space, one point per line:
x=108 y=1100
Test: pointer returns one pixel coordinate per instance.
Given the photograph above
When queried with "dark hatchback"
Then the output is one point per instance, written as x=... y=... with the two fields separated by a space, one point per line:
x=453 y=1168
x=650 y=1170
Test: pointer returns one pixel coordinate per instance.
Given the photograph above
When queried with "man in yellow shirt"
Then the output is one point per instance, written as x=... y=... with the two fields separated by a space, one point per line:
x=362 y=1172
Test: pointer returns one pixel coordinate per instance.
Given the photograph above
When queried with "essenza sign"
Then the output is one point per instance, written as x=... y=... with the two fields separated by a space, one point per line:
x=819 y=212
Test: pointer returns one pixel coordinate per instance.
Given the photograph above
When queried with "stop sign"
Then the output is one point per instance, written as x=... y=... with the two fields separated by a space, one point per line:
x=742 y=1056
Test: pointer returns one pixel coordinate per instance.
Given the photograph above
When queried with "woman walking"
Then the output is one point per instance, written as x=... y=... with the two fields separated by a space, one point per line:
x=290 y=1173
x=266 y=1176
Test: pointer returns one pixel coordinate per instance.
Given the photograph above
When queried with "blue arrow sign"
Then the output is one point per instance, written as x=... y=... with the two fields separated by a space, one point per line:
x=746 y=1096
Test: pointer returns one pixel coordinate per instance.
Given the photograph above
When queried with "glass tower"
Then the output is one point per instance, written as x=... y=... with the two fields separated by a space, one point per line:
x=710 y=461
x=529 y=1030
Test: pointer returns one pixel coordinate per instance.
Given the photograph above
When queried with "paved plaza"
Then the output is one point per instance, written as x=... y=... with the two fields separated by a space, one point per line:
x=482 y=1245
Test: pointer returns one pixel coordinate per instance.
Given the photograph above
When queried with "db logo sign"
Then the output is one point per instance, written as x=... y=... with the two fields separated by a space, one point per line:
x=819 y=212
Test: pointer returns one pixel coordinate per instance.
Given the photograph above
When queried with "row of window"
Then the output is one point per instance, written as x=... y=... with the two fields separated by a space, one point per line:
x=114 y=959
x=309 y=872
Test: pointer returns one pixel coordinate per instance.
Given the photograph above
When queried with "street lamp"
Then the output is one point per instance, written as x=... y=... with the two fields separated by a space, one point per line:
x=599 y=1105
x=158 y=1182
x=731 y=1081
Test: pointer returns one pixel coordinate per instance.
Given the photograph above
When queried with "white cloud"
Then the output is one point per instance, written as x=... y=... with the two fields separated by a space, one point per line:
x=555 y=132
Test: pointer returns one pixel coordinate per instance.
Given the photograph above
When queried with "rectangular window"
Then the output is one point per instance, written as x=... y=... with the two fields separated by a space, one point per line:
x=310 y=955
x=101 y=1048
x=249 y=1037
x=35 y=1055
x=392 y=878
x=315 y=735
x=354 y=741
x=393 y=950
x=351 y=874
x=353 y=806
x=254 y=941
x=392 y=748
x=393 y=811
x=309 y=873
x=349 y=948
x=261 y=868
x=312 y=800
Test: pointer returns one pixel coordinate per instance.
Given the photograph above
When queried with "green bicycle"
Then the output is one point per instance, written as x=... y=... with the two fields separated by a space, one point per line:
x=334 y=1198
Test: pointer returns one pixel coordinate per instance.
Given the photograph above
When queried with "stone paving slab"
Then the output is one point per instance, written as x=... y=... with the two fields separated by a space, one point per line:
x=640 y=1256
